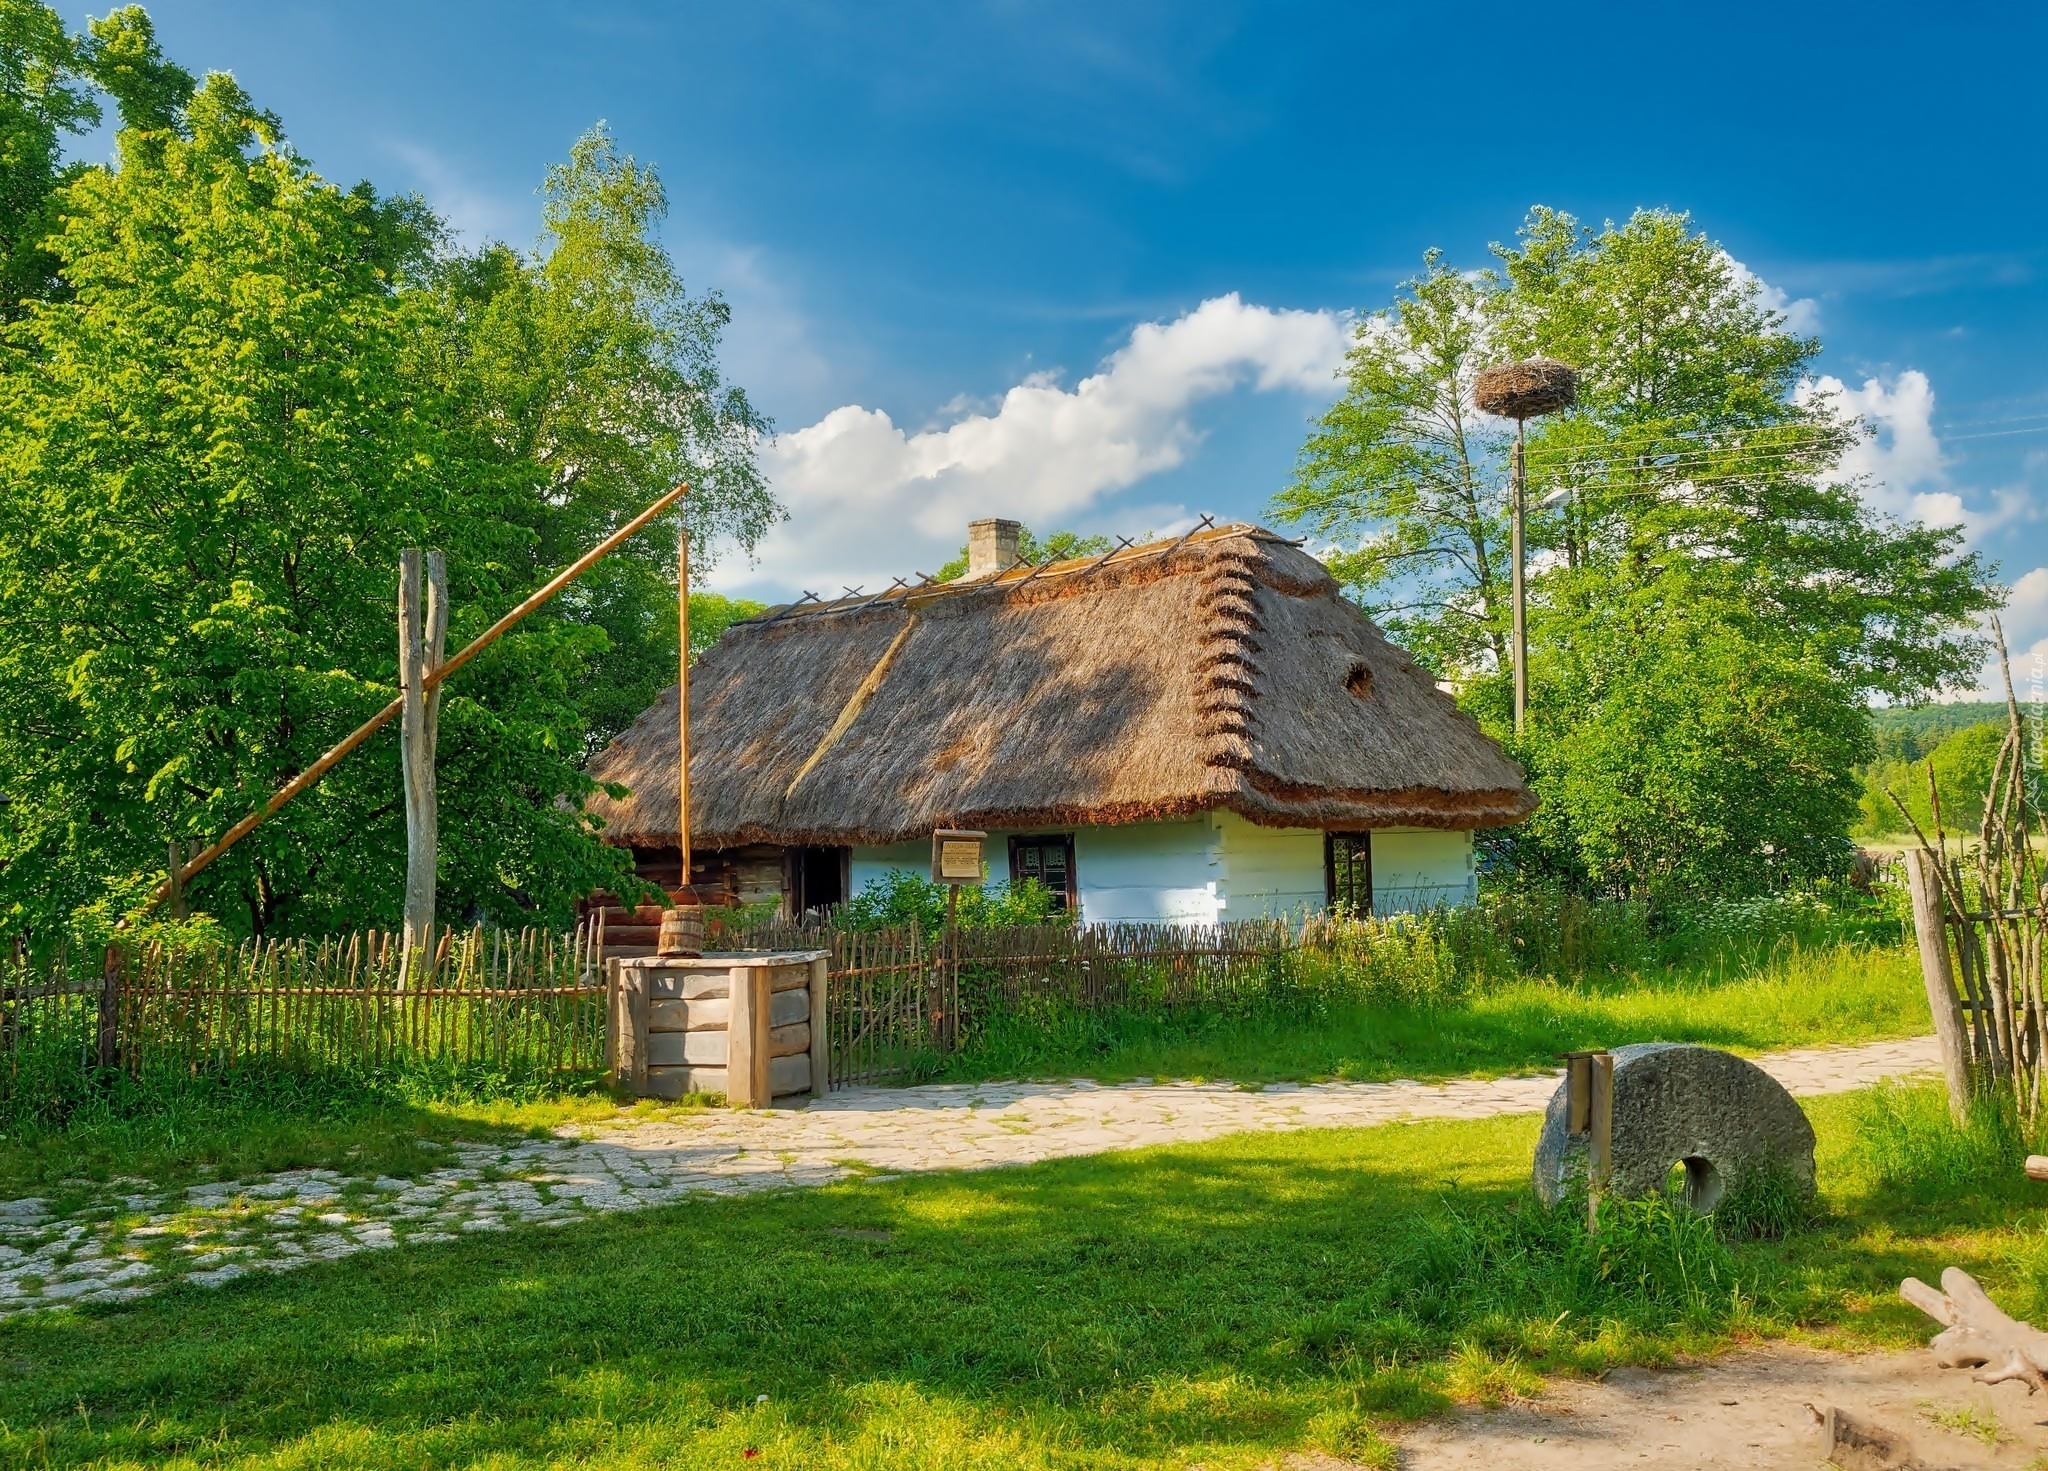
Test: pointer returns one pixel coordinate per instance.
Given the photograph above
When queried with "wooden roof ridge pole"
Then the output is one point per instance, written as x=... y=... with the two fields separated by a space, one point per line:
x=434 y=677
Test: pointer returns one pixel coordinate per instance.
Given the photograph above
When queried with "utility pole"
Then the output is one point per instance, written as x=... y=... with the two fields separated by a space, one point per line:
x=1521 y=391
x=1521 y=497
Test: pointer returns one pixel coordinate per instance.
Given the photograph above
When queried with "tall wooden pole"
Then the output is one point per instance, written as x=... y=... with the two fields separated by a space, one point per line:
x=683 y=709
x=1938 y=976
x=1521 y=494
x=422 y=647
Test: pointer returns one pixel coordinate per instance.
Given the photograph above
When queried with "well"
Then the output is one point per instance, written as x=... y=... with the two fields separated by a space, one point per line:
x=749 y=1026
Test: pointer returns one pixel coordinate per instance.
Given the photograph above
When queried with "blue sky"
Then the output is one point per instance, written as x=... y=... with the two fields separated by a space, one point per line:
x=934 y=222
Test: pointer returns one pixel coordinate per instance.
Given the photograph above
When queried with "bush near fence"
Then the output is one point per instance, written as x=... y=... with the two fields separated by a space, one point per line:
x=902 y=999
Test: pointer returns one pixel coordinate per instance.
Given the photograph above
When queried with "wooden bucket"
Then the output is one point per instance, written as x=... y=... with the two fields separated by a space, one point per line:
x=682 y=931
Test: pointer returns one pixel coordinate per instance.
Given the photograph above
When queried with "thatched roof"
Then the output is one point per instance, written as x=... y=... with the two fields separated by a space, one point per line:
x=1221 y=670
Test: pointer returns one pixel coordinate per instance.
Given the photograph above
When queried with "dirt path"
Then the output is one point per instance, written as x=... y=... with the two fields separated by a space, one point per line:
x=1745 y=1410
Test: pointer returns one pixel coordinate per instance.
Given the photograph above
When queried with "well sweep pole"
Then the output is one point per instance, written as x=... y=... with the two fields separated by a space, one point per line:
x=377 y=722
x=683 y=710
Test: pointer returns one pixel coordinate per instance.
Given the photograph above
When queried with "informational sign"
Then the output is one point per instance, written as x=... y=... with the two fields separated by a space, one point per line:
x=956 y=856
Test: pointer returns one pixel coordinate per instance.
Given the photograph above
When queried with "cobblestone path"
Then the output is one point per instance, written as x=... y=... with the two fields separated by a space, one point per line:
x=131 y=1240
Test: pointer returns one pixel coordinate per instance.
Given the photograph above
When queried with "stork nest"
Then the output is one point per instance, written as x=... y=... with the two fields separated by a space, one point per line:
x=1524 y=390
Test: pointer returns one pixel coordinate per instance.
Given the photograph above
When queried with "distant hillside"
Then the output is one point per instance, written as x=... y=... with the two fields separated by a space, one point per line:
x=1909 y=733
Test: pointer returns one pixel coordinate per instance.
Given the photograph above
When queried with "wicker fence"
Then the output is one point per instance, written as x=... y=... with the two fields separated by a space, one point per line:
x=532 y=1005
x=526 y=1004
x=900 y=999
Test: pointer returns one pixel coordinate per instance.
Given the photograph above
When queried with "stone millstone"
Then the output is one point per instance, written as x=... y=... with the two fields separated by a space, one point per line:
x=1708 y=1110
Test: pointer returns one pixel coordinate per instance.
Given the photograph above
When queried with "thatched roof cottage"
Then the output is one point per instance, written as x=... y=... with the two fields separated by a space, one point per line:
x=1193 y=730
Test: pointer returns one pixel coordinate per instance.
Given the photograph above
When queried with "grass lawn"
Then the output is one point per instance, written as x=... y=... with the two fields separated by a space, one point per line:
x=1801 y=998
x=1214 y=1304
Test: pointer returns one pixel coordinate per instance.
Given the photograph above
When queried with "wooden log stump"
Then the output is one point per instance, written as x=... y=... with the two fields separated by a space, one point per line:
x=1976 y=1334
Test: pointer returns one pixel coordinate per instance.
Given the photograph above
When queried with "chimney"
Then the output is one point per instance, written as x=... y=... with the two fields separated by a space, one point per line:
x=991 y=546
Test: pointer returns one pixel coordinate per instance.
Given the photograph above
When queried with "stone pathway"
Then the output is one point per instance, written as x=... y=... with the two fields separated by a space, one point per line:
x=133 y=1239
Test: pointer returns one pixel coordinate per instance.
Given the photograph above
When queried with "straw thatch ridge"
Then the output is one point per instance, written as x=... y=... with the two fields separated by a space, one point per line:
x=1219 y=671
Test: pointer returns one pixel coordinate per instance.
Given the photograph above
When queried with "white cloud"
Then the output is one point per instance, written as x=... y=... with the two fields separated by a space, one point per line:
x=1802 y=314
x=868 y=500
x=1900 y=459
x=2025 y=620
x=474 y=213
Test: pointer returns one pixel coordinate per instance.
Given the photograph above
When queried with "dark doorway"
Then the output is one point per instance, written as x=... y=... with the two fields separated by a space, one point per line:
x=1050 y=860
x=1347 y=872
x=817 y=878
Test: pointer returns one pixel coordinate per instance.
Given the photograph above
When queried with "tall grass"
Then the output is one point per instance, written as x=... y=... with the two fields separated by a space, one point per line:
x=1502 y=985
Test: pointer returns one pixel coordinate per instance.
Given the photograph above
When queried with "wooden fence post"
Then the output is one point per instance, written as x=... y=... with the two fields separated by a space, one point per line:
x=746 y=1038
x=1600 y=1145
x=1929 y=925
x=821 y=1036
x=626 y=1026
x=112 y=972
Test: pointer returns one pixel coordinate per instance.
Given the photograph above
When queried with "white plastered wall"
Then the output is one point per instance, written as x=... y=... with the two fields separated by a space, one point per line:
x=1219 y=867
x=1421 y=868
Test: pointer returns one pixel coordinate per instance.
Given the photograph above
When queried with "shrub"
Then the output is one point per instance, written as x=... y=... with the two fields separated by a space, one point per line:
x=901 y=898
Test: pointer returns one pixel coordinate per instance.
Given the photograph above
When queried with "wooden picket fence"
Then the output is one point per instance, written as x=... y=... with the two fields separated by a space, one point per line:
x=532 y=1005
x=901 y=998
x=517 y=1003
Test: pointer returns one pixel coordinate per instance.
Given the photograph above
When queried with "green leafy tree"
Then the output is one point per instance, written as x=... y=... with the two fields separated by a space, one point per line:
x=1960 y=763
x=584 y=380
x=251 y=390
x=46 y=81
x=42 y=99
x=1403 y=464
x=1695 y=762
x=1694 y=490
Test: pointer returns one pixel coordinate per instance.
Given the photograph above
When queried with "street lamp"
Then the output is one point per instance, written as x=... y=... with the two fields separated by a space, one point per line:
x=1521 y=391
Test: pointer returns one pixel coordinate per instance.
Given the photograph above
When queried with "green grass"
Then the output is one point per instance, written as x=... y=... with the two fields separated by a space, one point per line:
x=1214 y=1304
x=203 y=1129
x=1797 y=998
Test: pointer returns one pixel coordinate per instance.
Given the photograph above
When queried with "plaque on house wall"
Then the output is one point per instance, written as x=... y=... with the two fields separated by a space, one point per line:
x=956 y=856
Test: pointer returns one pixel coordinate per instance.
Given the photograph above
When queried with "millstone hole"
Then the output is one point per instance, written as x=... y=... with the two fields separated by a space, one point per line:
x=1695 y=1181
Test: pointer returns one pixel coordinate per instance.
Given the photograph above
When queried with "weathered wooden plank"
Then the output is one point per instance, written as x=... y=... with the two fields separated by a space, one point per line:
x=685 y=985
x=674 y=1082
x=786 y=1007
x=821 y=1039
x=703 y=1014
x=747 y=1072
x=1938 y=978
x=788 y=1075
x=790 y=1040
x=694 y=1049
